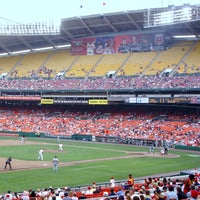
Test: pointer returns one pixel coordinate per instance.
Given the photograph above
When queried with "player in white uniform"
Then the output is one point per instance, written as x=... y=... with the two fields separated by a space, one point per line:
x=60 y=147
x=40 y=154
x=23 y=139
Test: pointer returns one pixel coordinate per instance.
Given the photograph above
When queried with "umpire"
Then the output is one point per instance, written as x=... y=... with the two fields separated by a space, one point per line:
x=8 y=163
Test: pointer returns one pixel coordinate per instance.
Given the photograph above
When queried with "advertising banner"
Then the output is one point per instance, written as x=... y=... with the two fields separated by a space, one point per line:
x=118 y=44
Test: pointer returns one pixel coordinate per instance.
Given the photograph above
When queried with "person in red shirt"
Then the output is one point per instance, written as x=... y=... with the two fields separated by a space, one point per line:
x=193 y=192
x=188 y=183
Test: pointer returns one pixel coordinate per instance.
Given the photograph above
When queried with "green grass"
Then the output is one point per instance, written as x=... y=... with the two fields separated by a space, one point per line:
x=85 y=173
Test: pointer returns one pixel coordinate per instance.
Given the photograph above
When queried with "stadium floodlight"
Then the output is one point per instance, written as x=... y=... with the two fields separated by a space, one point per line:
x=43 y=48
x=8 y=27
x=3 y=54
x=21 y=52
x=63 y=46
x=184 y=36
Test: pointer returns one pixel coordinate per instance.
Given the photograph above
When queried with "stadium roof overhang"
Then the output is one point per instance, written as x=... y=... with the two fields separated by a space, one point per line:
x=93 y=26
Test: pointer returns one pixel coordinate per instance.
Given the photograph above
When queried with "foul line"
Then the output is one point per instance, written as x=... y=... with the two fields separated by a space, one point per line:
x=193 y=155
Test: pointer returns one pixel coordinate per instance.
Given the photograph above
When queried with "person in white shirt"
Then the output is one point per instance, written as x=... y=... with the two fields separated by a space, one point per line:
x=8 y=196
x=60 y=147
x=112 y=182
x=40 y=154
x=171 y=194
x=74 y=197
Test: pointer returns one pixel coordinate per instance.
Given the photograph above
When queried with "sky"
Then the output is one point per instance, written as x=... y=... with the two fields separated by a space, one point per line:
x=44 y=10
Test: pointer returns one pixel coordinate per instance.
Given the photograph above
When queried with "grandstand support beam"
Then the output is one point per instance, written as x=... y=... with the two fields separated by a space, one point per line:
x=134 y=22
x=192 y=30
x=26 y=43
x=69 y=35
x=6 y=49
x=86 y=26
x=108 y=22
x=49 y=41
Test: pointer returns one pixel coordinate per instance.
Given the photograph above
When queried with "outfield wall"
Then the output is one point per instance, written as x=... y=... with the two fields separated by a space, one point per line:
x=187 y=147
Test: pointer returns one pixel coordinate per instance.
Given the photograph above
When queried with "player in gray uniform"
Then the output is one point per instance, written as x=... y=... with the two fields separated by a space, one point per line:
x=55 y=163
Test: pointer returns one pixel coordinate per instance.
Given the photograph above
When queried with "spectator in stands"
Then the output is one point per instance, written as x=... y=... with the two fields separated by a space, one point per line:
x=120 y=192
x=25 y=195
x=74 y=197
x=82 y=196
x=128 y=196
x=130 y=182
x=121 y=197
x=181 y=194
x=89 y=190
x=135 y=197
x=171 y=194
x=57 y=193
x=32 y=195
x=112 y=182
x=66 y=196
x=112 y=193
x=8 y=196
x=105 y=196
x=147 y=195
x=158 y=195
x=16 y=196
x=164 y=191
x=164 y=181
x=193 y=193
x=188 y=183
x=98 y=190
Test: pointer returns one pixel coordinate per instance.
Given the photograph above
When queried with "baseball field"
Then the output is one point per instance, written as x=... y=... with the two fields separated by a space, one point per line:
x=82 y=163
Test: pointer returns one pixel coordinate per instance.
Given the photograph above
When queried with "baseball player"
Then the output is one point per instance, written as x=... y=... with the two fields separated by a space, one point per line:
x=60 y=147
x=40 y=154
x=55 y=163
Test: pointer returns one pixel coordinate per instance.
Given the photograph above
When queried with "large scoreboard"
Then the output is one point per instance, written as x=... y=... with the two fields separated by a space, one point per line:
x=171 y=15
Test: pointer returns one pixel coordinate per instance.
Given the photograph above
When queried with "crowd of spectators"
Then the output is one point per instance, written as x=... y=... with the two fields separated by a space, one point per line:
x=145 y=82
x=151 y=188
x=181 y=128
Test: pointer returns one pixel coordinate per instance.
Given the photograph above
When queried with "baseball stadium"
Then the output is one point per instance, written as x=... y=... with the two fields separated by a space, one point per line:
x=104 y=106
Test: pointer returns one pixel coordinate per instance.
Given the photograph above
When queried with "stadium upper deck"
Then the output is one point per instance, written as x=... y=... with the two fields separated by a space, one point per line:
x=185 y=22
